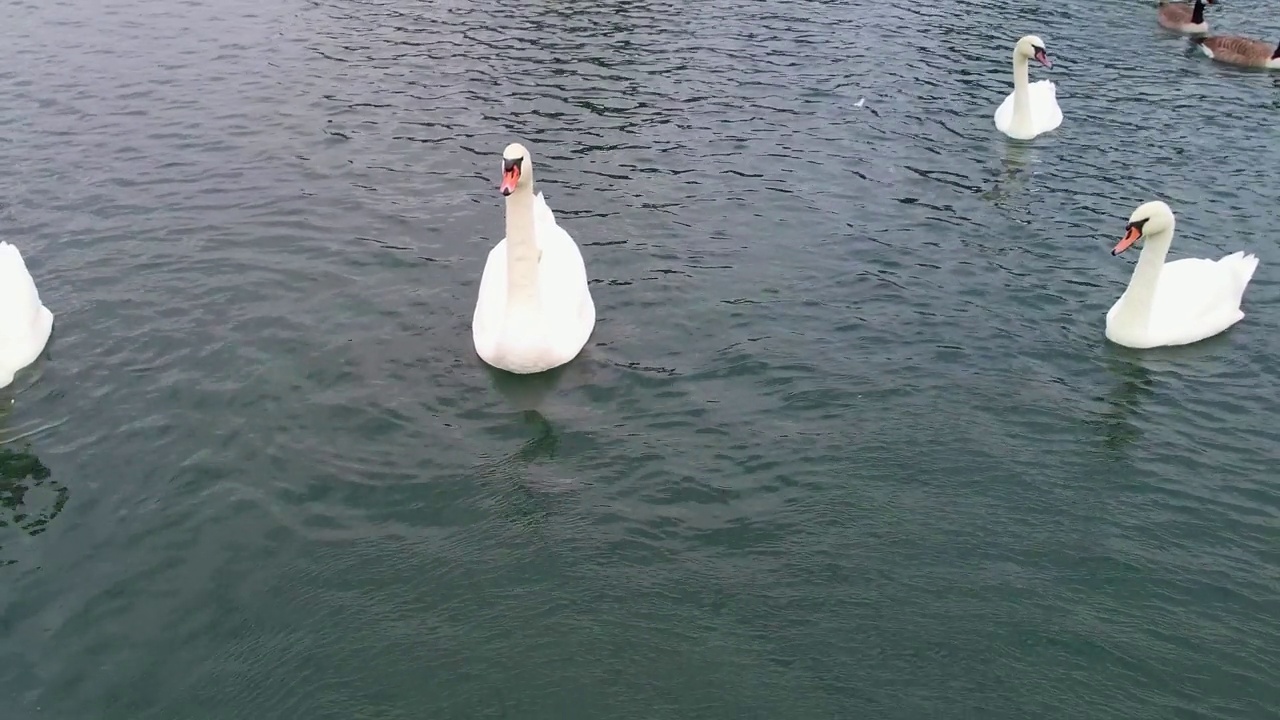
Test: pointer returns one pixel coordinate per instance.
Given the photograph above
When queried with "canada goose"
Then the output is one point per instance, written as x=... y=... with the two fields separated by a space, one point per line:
x=1237 y=50
x=1183 y=18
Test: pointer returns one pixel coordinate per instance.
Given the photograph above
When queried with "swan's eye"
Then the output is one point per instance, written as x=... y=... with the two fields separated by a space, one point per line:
x=1137 y=224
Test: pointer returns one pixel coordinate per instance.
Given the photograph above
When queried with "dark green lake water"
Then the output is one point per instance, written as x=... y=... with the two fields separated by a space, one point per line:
x=848 y=441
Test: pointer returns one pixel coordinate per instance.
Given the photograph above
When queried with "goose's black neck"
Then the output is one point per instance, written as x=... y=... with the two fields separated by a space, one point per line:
x=1276 y=55
x=1197 y=13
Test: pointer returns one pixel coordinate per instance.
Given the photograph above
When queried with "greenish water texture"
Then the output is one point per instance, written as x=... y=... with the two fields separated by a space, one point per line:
x=848 y=441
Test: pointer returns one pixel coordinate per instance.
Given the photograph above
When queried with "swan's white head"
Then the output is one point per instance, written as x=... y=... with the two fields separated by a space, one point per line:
x=1150 y=220
x=517 y=169
x=1031 y=46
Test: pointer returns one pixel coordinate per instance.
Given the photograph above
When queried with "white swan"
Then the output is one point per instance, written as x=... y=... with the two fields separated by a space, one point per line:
x=1179 y=303
x=25 y=323
x=1031 y=109
x=535 y=310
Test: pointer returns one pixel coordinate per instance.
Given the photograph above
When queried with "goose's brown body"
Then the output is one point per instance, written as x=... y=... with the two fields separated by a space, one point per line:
x=1183 y=17
x=1236 y=50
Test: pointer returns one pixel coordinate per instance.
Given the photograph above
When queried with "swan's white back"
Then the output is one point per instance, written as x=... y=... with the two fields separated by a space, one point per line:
x=25 y=324
x=530 y=340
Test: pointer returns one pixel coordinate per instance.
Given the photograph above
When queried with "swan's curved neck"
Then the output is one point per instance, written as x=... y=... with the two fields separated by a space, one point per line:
x=1140 y=296
x=522 y=250
x=1021 y=93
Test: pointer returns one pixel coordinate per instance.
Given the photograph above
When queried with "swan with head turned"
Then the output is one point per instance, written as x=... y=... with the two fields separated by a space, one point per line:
x=1032 y=108
x=1175 y=303
x=1183 y=18
x=534 y=311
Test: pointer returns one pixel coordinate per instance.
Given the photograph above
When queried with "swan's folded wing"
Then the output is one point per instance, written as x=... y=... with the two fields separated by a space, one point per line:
x=542 y=215
x=562 y=272
x=20 y=307
x=1044 y=103
x=1196 y=298
x=561 y=259
x=491 y=300
x=1190 y=287
x=1004 y=113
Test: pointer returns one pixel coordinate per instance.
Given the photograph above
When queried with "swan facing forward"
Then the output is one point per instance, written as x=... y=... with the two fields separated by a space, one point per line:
x=535 y=310
x=25 y=323
x=1031 y=109
x=1178 y=303
x=1183 y=18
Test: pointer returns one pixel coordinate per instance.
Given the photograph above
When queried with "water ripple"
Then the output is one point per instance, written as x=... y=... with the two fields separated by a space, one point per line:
x=847 y=439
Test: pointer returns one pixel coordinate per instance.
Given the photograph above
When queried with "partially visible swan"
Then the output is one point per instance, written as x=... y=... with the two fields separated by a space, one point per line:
x=25 y=323
x=1236 y=50
x=1183 y=18
x=1178 y=303
x=1030 y=109
x=535 y=310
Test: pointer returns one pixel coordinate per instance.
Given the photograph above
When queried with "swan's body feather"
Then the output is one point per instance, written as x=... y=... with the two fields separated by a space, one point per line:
x=530 y=340
x=25 y=323
x=1045 y=113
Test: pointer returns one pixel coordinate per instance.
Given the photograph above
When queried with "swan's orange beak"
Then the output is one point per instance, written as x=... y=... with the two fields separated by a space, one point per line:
x=1043 y=57
x=1131 y=235
x=510 y=176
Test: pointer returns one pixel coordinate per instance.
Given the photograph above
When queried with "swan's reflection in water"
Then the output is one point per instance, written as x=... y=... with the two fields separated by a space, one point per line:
x=528 y=392
x=531 y=482
x=1015 y=171
x=1139 y=372
x=1017 y=155
x=29 y=498
x=1123 y=402
x=532 y=393
x=524 y=484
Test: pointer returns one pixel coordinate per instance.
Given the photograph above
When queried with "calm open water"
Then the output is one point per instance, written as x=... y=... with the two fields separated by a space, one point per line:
x=847 y=442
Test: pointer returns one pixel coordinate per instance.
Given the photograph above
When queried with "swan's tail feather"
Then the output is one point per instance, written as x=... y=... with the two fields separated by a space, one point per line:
x=1243 y=266
x=1248 y=264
